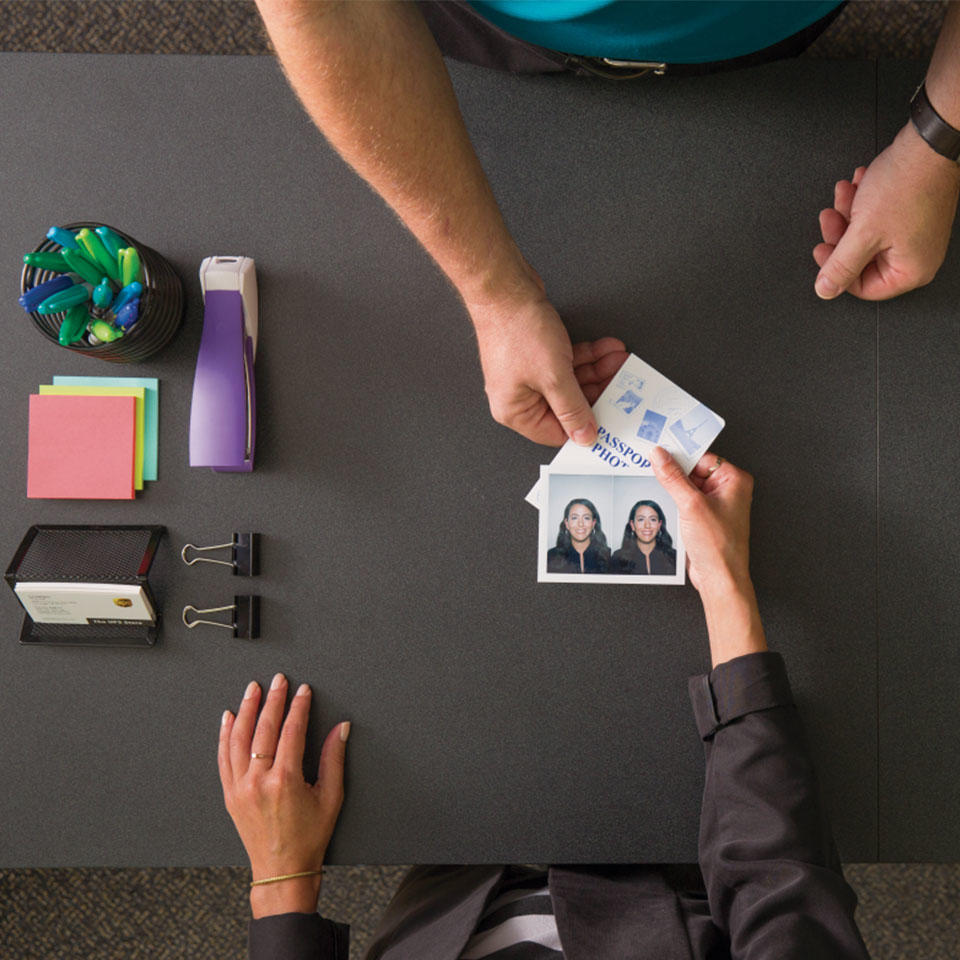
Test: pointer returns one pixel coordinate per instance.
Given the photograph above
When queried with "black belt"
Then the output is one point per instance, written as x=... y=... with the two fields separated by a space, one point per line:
x=611 y=68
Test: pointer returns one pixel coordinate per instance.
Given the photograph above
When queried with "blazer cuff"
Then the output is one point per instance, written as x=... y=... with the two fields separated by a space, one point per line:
x=756 y=681
x=297 y=936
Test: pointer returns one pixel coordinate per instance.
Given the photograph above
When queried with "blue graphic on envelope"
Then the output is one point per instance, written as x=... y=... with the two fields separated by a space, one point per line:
x=626 y=394
x=651 y=426
x=696 y=430
x=628 y=402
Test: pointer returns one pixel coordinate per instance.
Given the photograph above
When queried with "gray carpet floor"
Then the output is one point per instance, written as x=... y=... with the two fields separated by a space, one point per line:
x=865 y=28
x=907 y=911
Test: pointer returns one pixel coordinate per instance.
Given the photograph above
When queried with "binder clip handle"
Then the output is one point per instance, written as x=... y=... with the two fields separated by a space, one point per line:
x=246 y=617
x=244 y=554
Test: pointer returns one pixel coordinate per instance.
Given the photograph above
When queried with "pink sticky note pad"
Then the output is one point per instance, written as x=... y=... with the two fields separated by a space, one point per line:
x=81 y=448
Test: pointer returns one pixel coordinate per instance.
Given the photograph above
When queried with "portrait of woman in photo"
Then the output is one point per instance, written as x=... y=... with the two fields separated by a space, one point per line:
x=647 y=547
x=581 y=546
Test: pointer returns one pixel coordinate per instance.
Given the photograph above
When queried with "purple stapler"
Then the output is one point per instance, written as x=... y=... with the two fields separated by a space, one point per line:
x=223 y=410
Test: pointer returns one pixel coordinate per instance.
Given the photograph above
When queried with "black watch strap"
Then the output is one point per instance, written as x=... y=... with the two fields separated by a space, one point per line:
x=932 y=127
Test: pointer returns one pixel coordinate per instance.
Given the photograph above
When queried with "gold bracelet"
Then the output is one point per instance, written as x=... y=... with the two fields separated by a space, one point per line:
x=286 y=876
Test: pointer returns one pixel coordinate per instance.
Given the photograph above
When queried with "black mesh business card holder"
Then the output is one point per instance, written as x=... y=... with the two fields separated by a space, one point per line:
x=88 y=554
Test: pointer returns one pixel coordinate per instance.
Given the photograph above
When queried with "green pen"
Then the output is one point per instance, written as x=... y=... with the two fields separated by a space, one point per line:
x=74 y=325
x=80 y=265
x=111 y=241
x=59 y=302
x=47 y=260
x=104 y=332
x=129 y=266
x=92 y=246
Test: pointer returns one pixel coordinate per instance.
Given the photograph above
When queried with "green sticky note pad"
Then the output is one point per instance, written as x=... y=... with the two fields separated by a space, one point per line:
x=138 y=393
x=151 y=410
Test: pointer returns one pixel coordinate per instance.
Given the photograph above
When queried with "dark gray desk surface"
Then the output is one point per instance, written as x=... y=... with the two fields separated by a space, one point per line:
x=494 y=718
x=918 y=524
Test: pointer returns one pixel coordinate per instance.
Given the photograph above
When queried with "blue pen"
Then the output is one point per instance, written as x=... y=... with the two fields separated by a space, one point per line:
x=127 y=316
x=130 y=292
x=36 y=295
x=111 y=241
x=64 y=237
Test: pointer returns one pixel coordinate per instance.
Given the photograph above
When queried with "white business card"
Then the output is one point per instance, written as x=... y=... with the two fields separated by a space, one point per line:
x=85 y=602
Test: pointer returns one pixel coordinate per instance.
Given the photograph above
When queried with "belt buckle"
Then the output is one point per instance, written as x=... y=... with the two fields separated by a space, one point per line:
x=641 y=66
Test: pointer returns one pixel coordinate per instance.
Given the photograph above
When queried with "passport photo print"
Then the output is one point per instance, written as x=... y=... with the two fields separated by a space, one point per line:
x=590 y=530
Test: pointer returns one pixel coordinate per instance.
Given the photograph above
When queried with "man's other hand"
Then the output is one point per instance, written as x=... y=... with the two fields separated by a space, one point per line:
x=888 y=229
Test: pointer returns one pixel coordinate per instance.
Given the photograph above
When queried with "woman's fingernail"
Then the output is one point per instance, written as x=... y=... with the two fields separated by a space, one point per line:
x=251 y=690
x=303 y=689
x=584 y=436
x=344 y=730
x=225 y=717
x=277 y=681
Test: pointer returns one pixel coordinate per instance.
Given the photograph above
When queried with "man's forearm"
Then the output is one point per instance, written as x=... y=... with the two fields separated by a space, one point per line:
x=943 y=74
x=373 y=80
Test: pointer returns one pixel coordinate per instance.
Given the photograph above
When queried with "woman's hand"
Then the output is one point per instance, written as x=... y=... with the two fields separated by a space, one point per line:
x=889 y=226
x=714 y=518
x=714 y=506
x=285 y=823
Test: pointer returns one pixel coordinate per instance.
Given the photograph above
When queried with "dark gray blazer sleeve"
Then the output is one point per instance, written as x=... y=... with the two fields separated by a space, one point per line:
x=298 y=936
x=767 y=856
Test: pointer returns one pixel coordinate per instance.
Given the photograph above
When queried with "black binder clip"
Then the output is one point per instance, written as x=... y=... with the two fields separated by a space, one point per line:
x=244 y=554
x=246 y=617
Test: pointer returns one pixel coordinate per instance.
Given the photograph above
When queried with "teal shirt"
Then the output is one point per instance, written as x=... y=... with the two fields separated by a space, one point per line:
x=673 y=31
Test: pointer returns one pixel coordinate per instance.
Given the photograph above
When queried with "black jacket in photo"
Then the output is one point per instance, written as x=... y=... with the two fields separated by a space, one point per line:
x=595 y=560
x=631 y=560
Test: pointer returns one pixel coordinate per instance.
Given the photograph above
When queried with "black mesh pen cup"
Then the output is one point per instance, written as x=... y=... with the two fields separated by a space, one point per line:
x=158 y=318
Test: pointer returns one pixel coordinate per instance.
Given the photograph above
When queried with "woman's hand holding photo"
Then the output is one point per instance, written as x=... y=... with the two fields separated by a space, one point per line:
x=714 y=514
x=285 y=823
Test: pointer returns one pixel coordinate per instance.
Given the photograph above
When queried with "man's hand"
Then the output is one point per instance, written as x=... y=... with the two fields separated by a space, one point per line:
x=285 y=823
x=537 y=383
x=889 y=227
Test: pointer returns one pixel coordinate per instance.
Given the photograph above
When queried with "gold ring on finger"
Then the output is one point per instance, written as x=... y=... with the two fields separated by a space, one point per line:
x=716 y=466
x=261 y=756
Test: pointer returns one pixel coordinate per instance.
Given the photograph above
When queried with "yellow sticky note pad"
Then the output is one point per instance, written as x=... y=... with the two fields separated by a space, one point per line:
x=137 y=393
